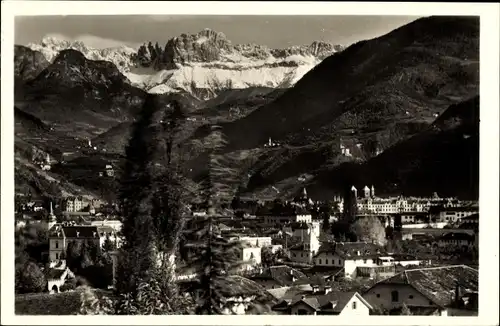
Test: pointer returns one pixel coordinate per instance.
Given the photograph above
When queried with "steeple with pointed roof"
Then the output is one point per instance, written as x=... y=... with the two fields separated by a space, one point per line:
x=52 y=217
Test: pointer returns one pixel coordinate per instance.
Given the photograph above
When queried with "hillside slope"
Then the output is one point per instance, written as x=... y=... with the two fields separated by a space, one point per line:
x=443 y=159
x=421 y=67
x=28 y=63
x=366 y=98
x=80 y=96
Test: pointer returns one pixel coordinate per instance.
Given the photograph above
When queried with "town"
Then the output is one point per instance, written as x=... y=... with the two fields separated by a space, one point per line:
x=188 y=171
x=298 y=253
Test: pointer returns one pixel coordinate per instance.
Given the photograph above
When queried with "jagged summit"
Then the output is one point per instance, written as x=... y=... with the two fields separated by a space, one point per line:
x=205 y=60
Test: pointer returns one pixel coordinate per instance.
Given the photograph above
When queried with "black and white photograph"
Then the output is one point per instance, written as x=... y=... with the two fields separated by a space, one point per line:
x=250 y=164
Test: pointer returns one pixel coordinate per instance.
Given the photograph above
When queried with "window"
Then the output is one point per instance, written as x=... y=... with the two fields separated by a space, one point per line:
x=411 y=296
x=395 y=296
x=354 y=305
x=57 y=255
x=340 y=262
x=326 y=261
x=57 y=244
x=378 y=295
x=364 y=261
x=320 y=261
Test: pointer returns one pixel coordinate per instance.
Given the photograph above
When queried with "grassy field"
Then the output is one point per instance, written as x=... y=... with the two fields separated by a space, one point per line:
x=66 y=303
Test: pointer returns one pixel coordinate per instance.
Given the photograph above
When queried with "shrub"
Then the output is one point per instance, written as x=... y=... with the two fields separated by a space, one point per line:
x=68 y=286
x=29 y=278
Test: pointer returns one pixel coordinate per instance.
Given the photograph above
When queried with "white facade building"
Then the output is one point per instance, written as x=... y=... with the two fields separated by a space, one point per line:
x=282 y=219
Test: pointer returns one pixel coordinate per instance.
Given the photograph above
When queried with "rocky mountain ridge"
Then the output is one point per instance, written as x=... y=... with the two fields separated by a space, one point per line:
x=369 y=99
x=202 y=64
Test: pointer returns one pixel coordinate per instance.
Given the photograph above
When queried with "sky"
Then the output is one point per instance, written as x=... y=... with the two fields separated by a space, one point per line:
x=272 y=31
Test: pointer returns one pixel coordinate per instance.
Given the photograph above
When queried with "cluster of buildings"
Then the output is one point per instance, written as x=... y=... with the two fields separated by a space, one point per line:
x=44 y=164
x=442 y=209
x=60 y=235
x=304 y=280
x=80 y=203
x=438 y=291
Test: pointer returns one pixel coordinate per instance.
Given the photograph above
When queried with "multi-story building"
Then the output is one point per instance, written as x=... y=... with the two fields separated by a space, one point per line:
x=75 y=204
x=309 y=245
x=347 y=255
x=360 y=259
x=455 y=214
x=61 y=235
x=250 y=256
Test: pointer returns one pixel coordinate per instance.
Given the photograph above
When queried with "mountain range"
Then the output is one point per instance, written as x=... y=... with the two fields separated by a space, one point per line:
x=204 y=63
x=395 y=111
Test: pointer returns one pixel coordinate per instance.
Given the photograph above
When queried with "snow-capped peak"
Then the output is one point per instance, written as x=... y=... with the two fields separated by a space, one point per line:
x=50 y=47
x=204 y=60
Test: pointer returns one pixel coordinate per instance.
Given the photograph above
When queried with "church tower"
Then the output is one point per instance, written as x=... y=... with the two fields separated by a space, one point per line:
x=373 y=192
x=52 y=218
x=366 y=191
x=354 y=192
x=311 y=239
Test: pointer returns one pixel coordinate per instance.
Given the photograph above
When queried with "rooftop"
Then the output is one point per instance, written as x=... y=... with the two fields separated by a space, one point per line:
x=79 y=231
x=438 y=283
x=54 y=274
x=285 y=274
x=349 y=250
x=236 y=285
x=333 y=302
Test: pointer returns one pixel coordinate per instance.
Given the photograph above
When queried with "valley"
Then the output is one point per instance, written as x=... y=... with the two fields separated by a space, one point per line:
x=326 y=109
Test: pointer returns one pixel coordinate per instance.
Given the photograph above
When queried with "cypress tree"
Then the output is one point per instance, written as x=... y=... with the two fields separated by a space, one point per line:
x=153 y=210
